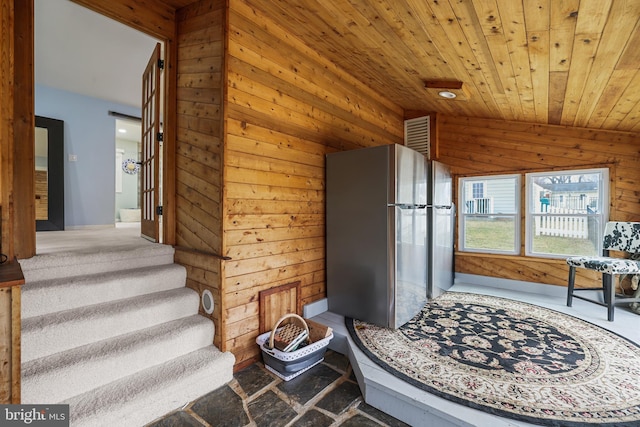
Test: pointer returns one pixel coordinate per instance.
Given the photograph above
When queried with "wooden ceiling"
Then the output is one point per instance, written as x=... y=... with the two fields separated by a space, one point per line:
x=569 y=62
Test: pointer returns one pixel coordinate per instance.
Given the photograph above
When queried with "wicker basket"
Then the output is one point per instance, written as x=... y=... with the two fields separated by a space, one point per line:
x=291 y=364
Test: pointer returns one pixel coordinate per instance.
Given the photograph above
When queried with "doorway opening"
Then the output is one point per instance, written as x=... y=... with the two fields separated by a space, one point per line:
x=127 y=170
x=83 y=55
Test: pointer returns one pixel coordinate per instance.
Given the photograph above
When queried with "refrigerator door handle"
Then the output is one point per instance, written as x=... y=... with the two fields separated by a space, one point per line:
x=406 y=206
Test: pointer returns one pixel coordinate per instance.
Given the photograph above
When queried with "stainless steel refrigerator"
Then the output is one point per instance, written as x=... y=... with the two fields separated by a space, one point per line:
x=380 y=225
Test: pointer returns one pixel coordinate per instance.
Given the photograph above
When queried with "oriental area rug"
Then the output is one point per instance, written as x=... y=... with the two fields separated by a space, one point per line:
x=512 y=359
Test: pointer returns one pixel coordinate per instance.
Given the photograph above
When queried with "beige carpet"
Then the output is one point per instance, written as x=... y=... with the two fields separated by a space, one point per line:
x=109 y=328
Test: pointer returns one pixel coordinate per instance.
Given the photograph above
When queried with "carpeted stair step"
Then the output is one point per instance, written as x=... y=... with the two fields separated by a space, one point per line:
x=52 y=266
x=138 y=399
x=52 y=333
x=50 y=296
x=64 y=375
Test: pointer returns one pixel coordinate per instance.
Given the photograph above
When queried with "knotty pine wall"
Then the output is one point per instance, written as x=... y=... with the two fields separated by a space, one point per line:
x=286 y=108
x=198 y=180
x=479 y=146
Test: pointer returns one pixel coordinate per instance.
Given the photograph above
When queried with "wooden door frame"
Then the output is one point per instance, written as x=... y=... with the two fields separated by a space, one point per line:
x=17 y=112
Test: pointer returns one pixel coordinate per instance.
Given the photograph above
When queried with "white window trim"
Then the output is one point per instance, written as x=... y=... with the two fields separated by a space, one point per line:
x=517 y=215
x=603 y=207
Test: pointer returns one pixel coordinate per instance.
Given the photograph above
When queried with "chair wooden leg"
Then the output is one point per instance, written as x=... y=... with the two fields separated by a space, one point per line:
x=570 y=285
x=609 y=294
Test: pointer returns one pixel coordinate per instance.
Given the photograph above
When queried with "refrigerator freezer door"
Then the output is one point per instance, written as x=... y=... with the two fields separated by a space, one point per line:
x=410 y=267
x=441 y=265
x=409 y=172
x=441 y=226
x=442 y=192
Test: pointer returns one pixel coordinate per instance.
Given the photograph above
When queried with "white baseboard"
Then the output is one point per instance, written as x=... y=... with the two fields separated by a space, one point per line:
x=512 y=285
x=315 y=308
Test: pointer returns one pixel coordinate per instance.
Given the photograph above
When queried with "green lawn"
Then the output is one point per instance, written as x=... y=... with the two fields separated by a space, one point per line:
x=498 y=234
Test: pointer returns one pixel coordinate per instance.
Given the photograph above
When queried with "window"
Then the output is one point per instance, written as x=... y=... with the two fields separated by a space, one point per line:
x=566 y=212
x=490 y=214
x=477 y=189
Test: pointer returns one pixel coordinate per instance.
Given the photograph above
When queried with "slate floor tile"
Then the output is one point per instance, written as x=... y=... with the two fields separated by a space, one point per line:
x=269 y=410
x=337 y=360
x=340 y=398
x=253 y=379
x=221 y=408
x=309 y=384
x=379 y=415
x=177 y=419
x=313 y=418
x=359 y=421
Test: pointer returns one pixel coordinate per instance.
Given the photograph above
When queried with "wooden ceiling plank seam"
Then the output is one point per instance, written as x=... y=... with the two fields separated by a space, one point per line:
x=391 y=45
x=298 y=44
x=584 y=51
x=408 y=28
x=397 y=53
x=464 y=63
x=516 y=38
x=627 y=105
x=467 y=33
x=562 y=27
x=592 y=17
x=473 y=30
x=537 y=22
x=611 y=97
x=537 y=15
x=622 y=19
x=557 y=90
x=630 y=57
x=539 y=62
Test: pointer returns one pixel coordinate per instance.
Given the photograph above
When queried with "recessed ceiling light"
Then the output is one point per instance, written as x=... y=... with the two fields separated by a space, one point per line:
x=447 y=94
x=122 y=130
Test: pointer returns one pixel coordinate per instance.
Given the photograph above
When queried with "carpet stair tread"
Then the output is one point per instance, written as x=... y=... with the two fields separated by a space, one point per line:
x=50 y=296
x=140 y=398
x=62 y=375
x=52 y=333
x=50 y=266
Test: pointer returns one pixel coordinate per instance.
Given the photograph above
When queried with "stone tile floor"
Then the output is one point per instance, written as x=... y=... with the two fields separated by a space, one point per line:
x=326 y=395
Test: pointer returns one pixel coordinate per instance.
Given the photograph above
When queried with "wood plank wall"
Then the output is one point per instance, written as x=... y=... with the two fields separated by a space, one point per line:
x=17 y=125
x=286 y=108
x=198 y=182
x=479 y=146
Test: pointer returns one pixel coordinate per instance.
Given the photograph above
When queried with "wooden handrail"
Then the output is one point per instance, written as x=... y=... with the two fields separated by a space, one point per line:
x=201 y=252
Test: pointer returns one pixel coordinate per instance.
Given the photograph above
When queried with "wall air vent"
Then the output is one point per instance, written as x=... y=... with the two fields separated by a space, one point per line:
x=416 y=135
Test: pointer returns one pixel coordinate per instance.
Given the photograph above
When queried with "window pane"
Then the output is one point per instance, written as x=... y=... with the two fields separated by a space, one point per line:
x=563 y=235
x=493 y=233
x=566 y=211
x=490 y=195
x=567 y=192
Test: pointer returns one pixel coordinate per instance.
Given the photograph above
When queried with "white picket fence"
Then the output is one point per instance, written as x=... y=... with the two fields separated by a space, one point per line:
x=562 y=226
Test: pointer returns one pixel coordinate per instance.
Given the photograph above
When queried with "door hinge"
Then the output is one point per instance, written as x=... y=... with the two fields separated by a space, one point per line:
x=158 y=210
x=160 y=137
x=161 y=64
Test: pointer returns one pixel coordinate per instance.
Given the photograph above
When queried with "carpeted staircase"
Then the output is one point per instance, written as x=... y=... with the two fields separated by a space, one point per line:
x=116 y=335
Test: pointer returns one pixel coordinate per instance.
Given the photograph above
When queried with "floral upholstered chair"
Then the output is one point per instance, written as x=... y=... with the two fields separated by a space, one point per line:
x=618 y=236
